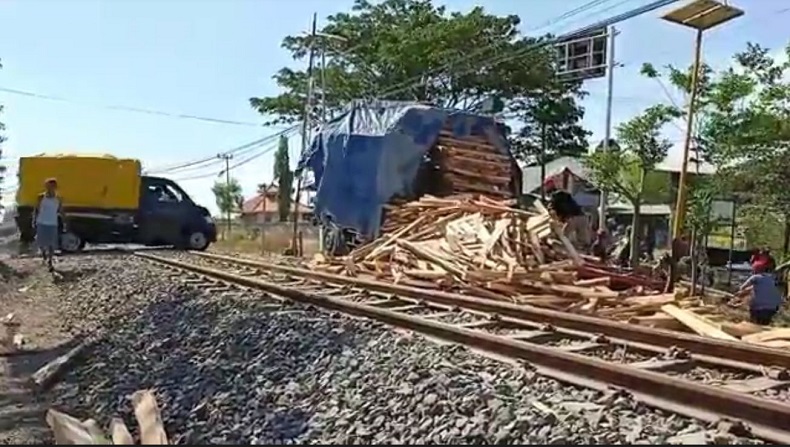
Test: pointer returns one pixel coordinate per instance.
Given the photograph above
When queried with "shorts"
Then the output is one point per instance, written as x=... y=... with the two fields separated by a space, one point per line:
x=47 y=236
x=762 y=316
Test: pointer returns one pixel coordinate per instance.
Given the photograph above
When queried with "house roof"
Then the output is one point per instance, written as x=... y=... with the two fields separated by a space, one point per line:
x=260 y=204
x=531 y=174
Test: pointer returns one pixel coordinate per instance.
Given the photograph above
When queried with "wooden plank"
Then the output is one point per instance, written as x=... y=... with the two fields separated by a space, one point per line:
x=47 y=374
x=149 y=419
x=695 y=322
x=774 y=334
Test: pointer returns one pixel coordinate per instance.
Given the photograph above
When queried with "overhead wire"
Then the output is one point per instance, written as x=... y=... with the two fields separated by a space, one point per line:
x=272 y=145
x=208 y=160
x=217 y=173
x=502 y=58
x=146 y=111
x=416 y=81
x=398 y=88
x=566 y=36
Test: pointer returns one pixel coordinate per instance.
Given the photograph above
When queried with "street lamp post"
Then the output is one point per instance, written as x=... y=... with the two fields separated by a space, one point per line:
x=700 y=15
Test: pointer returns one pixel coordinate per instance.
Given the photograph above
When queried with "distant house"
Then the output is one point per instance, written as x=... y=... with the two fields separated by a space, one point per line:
x=262 y=208
x=572 y=175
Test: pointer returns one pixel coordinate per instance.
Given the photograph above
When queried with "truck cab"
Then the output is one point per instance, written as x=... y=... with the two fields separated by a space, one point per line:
x=168 y=216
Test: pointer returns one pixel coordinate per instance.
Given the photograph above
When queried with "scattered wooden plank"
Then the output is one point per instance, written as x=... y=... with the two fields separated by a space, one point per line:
x=152 y=431
x=120 y=433
x=68 y=430
x=695 y=322
x=48 y=373
x=771 y=335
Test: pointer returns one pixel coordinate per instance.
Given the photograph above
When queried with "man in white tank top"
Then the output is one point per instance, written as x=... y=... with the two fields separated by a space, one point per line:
x=48 y=213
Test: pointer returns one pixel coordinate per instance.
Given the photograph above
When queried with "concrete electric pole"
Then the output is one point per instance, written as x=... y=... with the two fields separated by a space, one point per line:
x=227 y=158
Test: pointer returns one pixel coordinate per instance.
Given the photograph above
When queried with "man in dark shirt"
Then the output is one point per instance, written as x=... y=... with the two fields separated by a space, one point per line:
x=575 y=223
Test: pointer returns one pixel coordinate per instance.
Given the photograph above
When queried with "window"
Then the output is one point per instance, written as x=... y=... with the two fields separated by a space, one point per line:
x=165 y=193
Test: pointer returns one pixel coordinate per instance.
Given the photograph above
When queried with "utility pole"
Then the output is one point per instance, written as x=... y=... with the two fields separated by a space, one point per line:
x=610 y=65
x=227 y=157
x=323 y=84
x=543 y=161
x=305 y=132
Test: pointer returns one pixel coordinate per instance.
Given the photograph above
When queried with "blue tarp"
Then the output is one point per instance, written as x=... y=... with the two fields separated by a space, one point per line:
x=372 y=152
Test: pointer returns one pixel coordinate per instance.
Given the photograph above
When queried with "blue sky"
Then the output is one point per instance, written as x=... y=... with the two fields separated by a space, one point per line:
x=207 y=57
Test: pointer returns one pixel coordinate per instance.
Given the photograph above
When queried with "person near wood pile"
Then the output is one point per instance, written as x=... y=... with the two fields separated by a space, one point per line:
x=575 y=224
x=763 y=256
x=765 y=298
x=600 y=246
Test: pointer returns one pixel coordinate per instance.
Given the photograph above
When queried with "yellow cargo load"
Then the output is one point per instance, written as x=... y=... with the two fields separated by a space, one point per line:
x=84 y=181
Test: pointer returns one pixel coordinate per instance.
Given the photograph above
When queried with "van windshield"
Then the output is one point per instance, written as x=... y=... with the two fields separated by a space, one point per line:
x=167 y=192
x=177 y=191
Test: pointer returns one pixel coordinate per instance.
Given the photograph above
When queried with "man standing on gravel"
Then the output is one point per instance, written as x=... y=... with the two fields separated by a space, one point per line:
x=47 y=215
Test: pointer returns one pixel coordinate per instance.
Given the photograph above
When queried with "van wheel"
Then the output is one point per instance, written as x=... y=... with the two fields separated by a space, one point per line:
x=197 y=241
x=71 y=243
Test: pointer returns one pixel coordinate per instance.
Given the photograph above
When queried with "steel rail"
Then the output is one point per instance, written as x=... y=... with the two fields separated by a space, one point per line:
x=737 y=351
x=766 y=419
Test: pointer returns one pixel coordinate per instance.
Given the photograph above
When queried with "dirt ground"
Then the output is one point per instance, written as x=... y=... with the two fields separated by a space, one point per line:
x=30 y=293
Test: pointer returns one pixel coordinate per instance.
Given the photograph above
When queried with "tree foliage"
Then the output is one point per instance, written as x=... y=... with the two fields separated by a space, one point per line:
x=699 y=217
x=626 y=168
x=743 y=123
x=228 y=196
x=416 y=51
x=284 y=177
x=743 y=128
x=551 y=124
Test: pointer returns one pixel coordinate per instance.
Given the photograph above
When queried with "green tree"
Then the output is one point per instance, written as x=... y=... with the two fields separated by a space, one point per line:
x=284 y=177
x=746 y=131
x=228 y=197
x=551 y=124
x=626 y=171
x=413 y=50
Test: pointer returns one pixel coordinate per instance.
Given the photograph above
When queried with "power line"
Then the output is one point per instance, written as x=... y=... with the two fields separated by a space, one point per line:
x=271 y=146
x=203 y=162
x=415 y=81
x=234 y=166
x=30 y=94
x=519 y=53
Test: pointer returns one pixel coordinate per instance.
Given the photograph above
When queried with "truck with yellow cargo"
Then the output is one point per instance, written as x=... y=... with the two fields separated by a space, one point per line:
x=107 y=200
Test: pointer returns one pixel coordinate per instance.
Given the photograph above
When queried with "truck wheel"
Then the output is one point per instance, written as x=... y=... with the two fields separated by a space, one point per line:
x=71 y=243
x=197 y=241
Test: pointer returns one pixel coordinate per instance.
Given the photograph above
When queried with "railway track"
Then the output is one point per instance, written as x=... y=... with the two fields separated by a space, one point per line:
x=746 y=387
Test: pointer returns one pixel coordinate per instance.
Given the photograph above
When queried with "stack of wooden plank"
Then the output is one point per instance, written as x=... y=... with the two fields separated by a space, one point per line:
x=481 y=246
x=476 y=245
x=473 y=165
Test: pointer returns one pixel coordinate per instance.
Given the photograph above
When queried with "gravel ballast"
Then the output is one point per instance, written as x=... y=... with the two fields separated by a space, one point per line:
x=237 y=367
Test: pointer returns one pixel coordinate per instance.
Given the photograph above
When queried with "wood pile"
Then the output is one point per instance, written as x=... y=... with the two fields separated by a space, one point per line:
x=484 y=247
x=68 y=430
x=473 y=165
x=479 y=246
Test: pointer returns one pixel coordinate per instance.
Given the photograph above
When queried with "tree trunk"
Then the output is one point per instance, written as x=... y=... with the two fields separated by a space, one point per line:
x=693 y=259
x=786 y=241
x=635 y=235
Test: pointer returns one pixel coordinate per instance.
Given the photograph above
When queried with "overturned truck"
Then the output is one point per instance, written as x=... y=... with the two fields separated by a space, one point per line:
x=383 y=152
